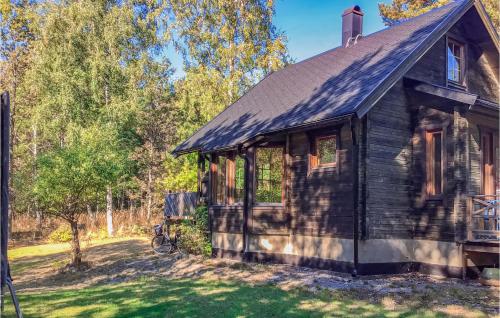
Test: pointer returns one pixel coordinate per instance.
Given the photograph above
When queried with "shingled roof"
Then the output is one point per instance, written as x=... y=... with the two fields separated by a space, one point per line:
x=338 y=82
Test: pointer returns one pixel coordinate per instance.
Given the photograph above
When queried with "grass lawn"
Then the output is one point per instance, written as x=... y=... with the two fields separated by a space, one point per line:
x=127 y=280
x=198 y=298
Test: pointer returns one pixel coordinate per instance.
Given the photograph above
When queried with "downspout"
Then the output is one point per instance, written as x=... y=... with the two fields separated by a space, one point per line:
x=355 y=165
x=244 y=251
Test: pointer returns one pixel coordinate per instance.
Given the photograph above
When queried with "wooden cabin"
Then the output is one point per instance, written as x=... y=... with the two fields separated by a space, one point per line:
x=379 y=156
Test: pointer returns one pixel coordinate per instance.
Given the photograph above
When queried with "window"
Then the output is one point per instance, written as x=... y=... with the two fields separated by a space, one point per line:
x=220 y=187
x=455 y=58
x=434 y=162
x=269 y=175
x=489 y=150
x=239 y=180
x=324 y=152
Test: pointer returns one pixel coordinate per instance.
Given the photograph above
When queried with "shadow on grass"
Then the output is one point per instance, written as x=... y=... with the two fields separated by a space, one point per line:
x=42 y=271
x=195 y=298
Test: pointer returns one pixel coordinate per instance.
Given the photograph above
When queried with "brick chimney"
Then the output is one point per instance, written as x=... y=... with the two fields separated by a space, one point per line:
x=352 y=23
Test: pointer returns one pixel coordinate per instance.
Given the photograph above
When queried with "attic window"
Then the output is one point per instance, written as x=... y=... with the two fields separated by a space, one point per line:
x=455 y=58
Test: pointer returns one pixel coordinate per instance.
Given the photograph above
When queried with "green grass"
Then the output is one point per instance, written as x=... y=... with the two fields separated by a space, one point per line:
x=197 y=298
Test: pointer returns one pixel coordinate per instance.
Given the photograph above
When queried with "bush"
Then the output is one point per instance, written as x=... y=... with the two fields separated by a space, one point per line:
x=61 y=235
x=195 y=234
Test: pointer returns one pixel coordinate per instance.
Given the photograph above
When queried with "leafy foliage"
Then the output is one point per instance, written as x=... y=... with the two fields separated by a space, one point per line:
x=227 y=47
x=94 y=105
x=60 y=235
x=399 y=10
x=195 y=233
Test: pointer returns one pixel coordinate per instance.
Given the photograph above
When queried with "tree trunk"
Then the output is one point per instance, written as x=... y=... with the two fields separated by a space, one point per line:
x=122 y=201
x=92 y=217
x=38 y=213
x=39 y=218
x=131 y=209
x=142 y=206
x=76 y=257
x=109 y=211
x=150 y=199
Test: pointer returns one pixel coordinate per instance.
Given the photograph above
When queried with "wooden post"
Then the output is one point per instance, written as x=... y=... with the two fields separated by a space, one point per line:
x=212 y=181
x=464 y=261
x=248 y=198
x=199 y=176
x=469 y=210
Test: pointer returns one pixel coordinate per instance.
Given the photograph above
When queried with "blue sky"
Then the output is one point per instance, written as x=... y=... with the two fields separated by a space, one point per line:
x=312 y=26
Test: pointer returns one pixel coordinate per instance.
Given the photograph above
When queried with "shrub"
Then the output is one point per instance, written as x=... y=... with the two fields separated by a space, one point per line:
x=139 y=230
x=61 y=235
x=195 y=235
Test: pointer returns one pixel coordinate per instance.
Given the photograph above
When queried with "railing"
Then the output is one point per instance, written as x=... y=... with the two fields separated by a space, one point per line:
x=483 y=217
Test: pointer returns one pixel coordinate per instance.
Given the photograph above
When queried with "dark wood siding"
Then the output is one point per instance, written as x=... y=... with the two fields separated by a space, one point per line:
x=321 y=201
x=388 y=164
x=431 y=67
x=434 y=218
x=269 y=220
x=227 y=219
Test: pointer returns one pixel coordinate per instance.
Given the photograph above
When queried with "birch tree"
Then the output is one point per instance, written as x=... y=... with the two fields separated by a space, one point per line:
x=227 y=47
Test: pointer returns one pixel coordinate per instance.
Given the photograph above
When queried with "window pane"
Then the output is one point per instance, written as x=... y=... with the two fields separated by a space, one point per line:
x=239 y=182
x=326 y=150
x=436 y=140
x=454 y=62
x=269 y=165
x=221 y=180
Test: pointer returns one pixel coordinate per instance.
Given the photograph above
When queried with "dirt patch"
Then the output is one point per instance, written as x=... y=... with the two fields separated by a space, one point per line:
x=129 y=260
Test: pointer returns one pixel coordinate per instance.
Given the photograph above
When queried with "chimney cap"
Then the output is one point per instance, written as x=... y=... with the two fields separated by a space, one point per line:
x=356 y=9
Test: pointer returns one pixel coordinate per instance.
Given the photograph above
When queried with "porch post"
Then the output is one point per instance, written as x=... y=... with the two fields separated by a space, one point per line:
x=248 y=195
x=199 y=175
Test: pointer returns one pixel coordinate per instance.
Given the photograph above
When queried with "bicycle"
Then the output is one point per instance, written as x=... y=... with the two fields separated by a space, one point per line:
x=162 y=243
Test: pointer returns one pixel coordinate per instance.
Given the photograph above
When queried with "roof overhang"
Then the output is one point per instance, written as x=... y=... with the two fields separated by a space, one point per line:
x=485 y=107
x=487 y=22
x=264 y=136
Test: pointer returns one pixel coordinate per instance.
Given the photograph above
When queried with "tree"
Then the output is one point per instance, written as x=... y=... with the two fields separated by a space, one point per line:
x=91 y=64
x=16 y=33
x=156 y=128
x=68 y=177
x=227 y=47
x=399 y=10
x=235 y=38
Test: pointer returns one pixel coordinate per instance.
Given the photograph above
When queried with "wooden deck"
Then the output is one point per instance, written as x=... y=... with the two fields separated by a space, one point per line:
x=483 y=218
x=483 y=227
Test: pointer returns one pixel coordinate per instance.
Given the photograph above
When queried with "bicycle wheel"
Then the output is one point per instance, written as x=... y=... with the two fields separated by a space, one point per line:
x=161 y=245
